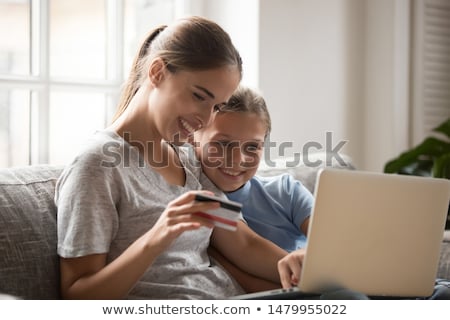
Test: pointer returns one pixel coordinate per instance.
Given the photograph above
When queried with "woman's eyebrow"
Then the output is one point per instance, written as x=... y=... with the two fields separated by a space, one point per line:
x=209 y=93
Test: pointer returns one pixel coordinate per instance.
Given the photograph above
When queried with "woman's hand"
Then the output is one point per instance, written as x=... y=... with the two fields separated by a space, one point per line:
x=90 y=277
x=290 y=268
x=179 y=216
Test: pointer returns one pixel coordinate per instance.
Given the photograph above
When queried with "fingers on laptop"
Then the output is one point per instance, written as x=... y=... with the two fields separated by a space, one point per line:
x=290 y=268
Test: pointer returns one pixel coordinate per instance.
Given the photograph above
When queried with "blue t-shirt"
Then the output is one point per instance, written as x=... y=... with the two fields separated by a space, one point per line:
x=275 y=208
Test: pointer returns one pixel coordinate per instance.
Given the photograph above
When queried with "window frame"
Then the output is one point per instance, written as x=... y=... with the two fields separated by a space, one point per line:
x=40 y=84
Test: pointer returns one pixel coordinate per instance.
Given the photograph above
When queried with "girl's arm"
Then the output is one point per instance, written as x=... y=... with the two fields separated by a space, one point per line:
x=248 y=282
x=304 y=226
x=249 y=251
x=90 y=277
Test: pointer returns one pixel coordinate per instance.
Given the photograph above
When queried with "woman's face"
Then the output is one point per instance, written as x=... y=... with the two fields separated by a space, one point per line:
x=230 y=148
x=183 y=102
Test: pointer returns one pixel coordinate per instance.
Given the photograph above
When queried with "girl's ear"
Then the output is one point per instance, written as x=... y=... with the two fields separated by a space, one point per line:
x=156 y=71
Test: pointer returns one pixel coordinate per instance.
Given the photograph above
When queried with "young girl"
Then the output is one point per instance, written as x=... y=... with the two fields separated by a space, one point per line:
x=230 y=149
x=126 y=216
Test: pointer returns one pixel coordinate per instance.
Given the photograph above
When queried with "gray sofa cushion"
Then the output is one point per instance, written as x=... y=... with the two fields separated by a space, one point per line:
x=444 y=263
x=305 y=168
x=28 y=261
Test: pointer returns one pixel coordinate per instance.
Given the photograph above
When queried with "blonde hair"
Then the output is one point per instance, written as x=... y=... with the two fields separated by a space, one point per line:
x=192 y=44
x=247 y=100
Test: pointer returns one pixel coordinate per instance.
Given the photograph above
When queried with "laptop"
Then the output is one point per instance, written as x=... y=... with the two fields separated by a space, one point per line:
x=374 y=233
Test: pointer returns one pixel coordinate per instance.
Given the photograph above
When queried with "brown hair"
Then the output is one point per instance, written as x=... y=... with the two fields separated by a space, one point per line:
x=247 y=100
x=193 y=43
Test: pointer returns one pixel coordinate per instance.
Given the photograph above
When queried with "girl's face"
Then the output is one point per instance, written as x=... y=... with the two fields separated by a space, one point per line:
x=183 y=102
x=230 y=148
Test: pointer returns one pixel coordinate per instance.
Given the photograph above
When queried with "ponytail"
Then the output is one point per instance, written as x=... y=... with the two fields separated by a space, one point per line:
x=133 y=82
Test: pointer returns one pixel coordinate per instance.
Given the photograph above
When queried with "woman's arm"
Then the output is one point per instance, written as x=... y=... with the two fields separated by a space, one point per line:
x=90 y=277
x=248 y=282
x=249 y=251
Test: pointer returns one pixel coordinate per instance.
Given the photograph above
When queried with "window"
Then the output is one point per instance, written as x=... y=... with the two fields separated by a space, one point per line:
x=431 y=66
x=62 y=63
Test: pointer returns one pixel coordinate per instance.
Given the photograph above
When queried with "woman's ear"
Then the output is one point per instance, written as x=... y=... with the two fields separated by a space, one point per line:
x=156 y=71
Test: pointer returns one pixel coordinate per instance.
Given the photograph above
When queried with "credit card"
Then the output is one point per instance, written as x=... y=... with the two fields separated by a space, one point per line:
x=226 y=216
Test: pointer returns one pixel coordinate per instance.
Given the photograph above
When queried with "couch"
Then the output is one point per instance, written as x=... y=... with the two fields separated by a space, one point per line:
x=28 y=260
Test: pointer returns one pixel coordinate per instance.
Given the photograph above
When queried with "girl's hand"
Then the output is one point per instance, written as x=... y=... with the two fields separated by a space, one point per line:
x=179 y=217
x=290 y=268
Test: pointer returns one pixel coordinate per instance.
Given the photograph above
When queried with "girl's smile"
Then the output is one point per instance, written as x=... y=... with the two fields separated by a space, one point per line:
x=230 y=148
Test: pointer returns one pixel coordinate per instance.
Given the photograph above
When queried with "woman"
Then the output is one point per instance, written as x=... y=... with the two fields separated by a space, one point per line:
x=127 y=226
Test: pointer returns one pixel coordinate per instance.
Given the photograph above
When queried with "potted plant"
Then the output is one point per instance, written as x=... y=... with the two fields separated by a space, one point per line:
x=431 y=158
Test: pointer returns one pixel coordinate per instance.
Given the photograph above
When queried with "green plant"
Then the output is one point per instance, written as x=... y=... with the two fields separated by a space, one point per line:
x=430 y=158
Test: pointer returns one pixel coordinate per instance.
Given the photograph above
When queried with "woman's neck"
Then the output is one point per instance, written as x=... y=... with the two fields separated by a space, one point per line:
x=136 y=126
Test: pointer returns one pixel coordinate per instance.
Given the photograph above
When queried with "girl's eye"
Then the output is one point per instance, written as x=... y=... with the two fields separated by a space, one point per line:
x=198 y=96
x=252 y=147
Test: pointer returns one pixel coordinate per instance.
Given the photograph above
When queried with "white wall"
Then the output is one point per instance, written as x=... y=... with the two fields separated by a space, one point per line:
x=308 y=55
x=387 y=107
x=240 y=19
x=325 y=66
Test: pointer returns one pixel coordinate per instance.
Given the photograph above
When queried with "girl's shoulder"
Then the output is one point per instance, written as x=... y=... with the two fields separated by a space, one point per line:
x=282 y=183
x=282 y=178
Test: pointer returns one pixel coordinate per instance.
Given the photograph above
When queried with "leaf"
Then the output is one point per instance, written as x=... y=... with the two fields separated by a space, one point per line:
x=430 y=149
x=444 y=128
x=420 y=168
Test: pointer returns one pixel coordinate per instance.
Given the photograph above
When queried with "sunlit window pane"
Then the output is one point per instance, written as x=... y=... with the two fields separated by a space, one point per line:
x=74 y=117
x=47 y=117
x=140 y=18
x=78 y=39
x=14 y=37
x=14 y=127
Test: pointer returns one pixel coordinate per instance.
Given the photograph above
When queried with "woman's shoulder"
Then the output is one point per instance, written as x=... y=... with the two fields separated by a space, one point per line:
x=103 y=149
x=99 y=156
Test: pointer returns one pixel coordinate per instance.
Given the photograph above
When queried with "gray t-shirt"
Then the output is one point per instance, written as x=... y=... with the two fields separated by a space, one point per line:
x=108 y=197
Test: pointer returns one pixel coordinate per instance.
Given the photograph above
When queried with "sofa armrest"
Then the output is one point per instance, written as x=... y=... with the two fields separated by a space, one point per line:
x=29 y=266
